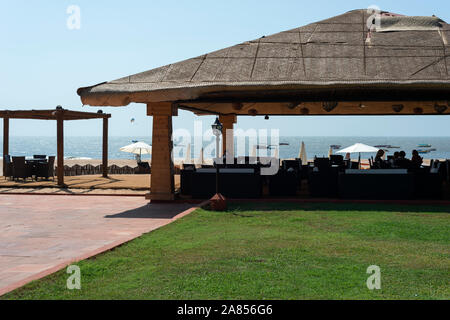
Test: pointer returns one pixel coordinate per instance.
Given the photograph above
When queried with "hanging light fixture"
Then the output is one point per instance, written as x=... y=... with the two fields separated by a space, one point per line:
x=329 y=106
x=217 y=127
x=440 y=108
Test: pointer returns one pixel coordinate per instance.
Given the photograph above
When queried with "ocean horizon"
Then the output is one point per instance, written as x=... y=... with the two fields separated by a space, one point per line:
x=91 y=147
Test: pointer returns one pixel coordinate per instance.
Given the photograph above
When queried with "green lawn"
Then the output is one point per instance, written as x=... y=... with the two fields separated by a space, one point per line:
x=273 y=251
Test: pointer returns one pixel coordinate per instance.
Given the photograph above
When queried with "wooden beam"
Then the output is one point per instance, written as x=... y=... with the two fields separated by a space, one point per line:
x=354 y=92
x=359 y=108
x=51 y=114
x=105 y=147
x=162 y=109
x=60 y=148
x=199 y=111
x=5 y=142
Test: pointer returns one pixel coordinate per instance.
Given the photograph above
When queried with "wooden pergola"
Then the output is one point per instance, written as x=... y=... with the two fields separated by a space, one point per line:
x=60 y=115
x=332 y=67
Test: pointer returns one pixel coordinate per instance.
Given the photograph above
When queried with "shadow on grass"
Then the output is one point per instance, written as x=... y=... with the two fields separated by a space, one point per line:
x=237 y=207
x=153 y=211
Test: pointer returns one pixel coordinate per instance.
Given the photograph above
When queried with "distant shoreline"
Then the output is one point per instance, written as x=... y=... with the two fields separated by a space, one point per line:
x=286 y=136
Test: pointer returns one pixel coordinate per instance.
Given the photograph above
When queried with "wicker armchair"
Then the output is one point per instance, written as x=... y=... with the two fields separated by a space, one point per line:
x=8 y=169
x=20 y=168
x=47 y=169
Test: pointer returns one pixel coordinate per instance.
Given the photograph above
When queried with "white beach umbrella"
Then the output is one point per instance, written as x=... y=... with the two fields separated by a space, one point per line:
x=188 y=158
x=359 y=148
x=303 y=155
x=139 y=148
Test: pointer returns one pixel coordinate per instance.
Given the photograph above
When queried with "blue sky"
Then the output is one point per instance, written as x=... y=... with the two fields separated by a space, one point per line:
x=42 y=62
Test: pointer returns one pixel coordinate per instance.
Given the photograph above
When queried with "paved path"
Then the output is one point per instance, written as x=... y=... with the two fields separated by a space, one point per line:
x=42 y=234
x=69 y=191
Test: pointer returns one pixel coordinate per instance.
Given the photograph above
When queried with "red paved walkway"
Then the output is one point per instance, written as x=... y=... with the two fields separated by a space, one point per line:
x=41 y=234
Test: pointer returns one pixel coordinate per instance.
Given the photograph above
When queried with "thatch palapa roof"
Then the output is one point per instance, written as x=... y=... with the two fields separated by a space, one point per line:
x=337 y=59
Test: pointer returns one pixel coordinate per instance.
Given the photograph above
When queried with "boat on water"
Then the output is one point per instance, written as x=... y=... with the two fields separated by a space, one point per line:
x=387 y=146
x=266 y=147
x=335 y=146
x=423 y=151
x=77 y=158
x=424 y=146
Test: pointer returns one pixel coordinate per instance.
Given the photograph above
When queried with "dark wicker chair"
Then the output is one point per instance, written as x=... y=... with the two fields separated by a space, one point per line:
x=186 y=179
x=294 y=164
x=8 y=169
x=354 y=165
x=46 y=170
x=322 y=164
x=20 y=169
x=337 y=160
x=144 y=168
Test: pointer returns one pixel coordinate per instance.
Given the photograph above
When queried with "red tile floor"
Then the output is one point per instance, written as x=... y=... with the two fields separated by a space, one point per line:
x=41 y=234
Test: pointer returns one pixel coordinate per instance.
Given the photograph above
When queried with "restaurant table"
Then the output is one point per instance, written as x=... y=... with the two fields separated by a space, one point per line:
x=34 y=164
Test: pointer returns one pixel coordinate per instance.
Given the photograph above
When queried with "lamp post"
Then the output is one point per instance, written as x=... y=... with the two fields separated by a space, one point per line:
x=217 y=131
x=218 y=202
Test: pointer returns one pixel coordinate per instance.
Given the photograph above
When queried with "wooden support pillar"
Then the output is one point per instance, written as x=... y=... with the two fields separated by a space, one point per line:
x=105 y=148
x=5 y=142
x=162 y=186
x=228 y=122
x=60 y=148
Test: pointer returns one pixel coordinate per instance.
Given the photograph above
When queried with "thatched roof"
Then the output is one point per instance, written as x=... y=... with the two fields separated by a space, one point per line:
x=334 y=59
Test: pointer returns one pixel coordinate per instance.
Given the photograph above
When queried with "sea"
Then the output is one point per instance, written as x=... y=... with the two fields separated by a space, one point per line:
x=91 y=147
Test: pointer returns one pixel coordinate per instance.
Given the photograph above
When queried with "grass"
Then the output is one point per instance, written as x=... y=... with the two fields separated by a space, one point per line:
x=273 y=251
